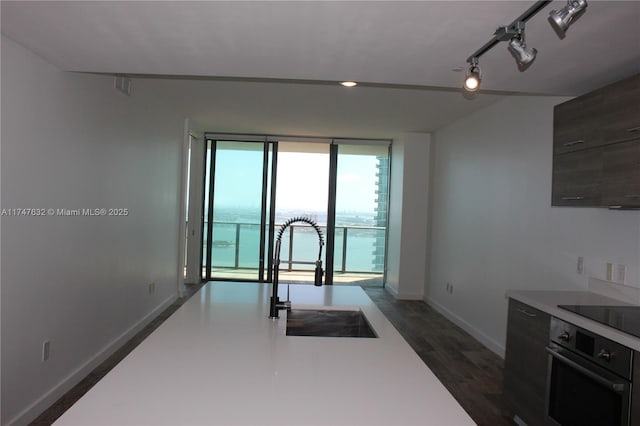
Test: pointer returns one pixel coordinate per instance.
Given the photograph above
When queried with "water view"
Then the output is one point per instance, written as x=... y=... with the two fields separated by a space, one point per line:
x=241 y=178
x=236 y=239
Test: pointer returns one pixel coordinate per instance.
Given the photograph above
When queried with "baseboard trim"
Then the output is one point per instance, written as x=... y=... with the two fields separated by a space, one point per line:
x=480 y=336
x=409 y=296
x=402 y=296
x=30 y=413
x=391 y=290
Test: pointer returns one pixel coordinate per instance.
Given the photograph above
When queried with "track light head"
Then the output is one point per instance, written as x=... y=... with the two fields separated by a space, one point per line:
x=473 y=77
x=562 y=19
x=524 y=55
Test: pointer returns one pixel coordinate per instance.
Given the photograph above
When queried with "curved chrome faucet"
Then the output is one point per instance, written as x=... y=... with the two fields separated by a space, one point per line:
x=276 y=305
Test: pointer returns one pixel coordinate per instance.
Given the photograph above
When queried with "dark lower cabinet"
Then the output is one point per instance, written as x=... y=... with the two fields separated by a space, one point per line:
x=635 y=393
x=526 y=360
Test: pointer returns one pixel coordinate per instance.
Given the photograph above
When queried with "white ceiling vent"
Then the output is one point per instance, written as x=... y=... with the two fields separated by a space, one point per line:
x=123 y=84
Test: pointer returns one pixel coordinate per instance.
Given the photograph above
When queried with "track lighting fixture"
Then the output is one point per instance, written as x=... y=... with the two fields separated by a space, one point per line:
x=524 y=55
x=473 y=76
x=562 y=19
x=514 y=34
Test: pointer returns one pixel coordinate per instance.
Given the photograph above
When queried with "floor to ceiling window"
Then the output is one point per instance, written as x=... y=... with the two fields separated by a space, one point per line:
x=302 y=190
x=236 y=209
x=253 y=185
x=361 y=212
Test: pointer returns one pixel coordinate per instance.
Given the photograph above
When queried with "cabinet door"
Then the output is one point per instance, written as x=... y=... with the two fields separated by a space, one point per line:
x=620 y=116
x=620 y=181
x=635 y=395
x=526 y=360
x=576 y=178
x=574 y=124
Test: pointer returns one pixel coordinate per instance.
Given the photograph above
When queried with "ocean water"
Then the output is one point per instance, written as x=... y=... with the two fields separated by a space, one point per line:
x=242 y=241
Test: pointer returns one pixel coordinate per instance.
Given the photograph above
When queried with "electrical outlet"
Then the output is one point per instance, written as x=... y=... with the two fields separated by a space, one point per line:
x=621 y=273
x=609 y=276
x=580 y=265
x=46 y=350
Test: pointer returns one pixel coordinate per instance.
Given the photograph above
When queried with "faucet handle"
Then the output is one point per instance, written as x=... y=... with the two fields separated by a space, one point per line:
x=317 y=281
x=287 y=303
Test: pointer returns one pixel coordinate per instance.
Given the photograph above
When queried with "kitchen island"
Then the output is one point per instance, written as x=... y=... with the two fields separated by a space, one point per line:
x=219 y=360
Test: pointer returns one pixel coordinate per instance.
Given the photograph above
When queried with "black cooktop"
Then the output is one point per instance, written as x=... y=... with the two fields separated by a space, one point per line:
x=623 y=318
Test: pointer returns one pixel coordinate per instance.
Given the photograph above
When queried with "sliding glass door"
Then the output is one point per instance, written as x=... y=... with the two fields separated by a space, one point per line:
x=252 y=187
x=237 y=195
x=361 y=201
x=302 y=182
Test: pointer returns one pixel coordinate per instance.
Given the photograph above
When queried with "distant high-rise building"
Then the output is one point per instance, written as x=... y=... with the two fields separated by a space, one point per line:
x=380 y=218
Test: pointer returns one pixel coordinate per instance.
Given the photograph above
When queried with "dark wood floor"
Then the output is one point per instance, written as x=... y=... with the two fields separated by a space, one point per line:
x=472 y=373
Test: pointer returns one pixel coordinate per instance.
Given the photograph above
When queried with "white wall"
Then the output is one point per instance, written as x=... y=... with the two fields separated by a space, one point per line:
x=408 y=216
x=72 y=141
x=493 y=228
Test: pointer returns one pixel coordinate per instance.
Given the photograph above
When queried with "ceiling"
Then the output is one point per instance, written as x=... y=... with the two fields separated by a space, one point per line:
x=281 y=53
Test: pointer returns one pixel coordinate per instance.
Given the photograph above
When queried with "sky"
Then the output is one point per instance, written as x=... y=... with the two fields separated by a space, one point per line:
x=302 y=181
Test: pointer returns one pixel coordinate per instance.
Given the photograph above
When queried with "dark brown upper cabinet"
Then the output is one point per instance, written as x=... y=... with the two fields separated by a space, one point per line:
x=620 y=180
x=576 y=178
x=596 y=148
x=573 y=126
x=620 y=111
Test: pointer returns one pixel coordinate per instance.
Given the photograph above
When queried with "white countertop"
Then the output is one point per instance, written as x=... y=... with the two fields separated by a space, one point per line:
x=220 y=360
x=548 y=301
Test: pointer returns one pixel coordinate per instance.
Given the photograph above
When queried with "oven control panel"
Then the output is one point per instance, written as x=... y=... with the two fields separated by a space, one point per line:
x=607 y=353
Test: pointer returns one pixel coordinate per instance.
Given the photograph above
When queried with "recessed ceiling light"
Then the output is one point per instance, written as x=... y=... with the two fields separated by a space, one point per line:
x=348 y=83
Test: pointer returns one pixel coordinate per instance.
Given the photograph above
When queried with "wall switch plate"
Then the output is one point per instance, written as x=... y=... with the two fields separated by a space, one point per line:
x=621 y=273
x=123 y=84
x=609 y=276
x=46 y=350
x=580 y=265
x=152 y=288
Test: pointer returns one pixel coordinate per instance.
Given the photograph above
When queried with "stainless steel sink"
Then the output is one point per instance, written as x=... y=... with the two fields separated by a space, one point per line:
x=328 y=323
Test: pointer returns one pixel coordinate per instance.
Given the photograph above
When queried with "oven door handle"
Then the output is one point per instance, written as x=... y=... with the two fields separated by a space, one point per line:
x=615 y=386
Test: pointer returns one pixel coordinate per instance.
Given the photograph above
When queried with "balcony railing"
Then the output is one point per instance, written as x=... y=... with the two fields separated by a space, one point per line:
x=357 y=248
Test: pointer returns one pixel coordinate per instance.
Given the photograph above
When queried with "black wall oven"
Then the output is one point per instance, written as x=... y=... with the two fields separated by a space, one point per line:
x=589 y=380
